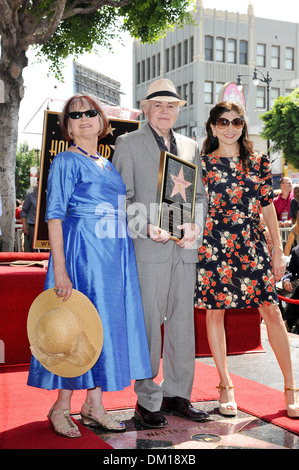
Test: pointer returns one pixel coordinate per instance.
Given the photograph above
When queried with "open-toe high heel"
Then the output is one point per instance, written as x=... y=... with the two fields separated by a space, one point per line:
x=61 y=421
x=228 y=408
x=292 y=408
x=105 y=420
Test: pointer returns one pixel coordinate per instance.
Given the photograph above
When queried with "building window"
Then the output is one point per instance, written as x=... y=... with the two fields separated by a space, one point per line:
x=289 y=60
x=148 y=69
x=179 y=54
x=191 y=97
x=185 y=92
x=260 y=97
x=275 y=94
x=158 y=63
x=219 y=50
x=173 y=57
x=208 y=47
x=154 y=73
x=243 y=52
x=209 y=92
x=182 y=130
x=232 y=51
x=261 y=55
x=167 y=59
x=186 y=52
x=143 y=71
x=191 y=54
x=275 y=57
x=138 y=73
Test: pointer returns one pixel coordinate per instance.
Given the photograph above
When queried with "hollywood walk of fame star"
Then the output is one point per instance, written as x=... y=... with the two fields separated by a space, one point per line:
x=180 y=184
x=219 y=433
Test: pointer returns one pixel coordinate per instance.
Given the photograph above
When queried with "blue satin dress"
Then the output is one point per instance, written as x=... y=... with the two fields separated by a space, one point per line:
x=100 y=261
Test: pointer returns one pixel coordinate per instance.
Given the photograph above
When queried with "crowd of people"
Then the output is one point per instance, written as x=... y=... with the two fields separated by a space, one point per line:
x=106 y=243
x=286 y=205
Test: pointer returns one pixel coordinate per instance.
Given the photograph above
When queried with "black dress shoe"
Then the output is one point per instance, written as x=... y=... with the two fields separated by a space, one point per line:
x=151 y=419
x=182 y=407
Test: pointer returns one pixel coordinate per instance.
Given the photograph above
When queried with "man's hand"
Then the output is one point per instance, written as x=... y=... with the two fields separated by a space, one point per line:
x=191 y=232
x=157 y=234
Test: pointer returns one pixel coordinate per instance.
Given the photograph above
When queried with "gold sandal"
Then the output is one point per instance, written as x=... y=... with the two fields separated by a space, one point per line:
x=61 y=421
x=105 y=421
x=229 y=408
x=293 y=408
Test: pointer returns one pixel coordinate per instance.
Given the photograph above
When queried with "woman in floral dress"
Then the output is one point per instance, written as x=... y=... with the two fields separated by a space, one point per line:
x=234 y=269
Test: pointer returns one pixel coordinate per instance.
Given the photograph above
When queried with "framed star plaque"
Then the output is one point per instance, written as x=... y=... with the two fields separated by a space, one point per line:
x=175 y=193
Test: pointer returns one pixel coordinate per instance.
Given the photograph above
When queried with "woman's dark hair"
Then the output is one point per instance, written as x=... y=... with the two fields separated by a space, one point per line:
x=211 y=143
x=83 y=100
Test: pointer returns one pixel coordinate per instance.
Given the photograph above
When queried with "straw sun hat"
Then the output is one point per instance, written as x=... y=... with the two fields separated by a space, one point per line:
x=65 y=337
x=163 y=90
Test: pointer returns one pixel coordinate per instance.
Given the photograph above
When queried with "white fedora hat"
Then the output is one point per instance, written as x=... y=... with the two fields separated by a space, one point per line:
x=163 y=90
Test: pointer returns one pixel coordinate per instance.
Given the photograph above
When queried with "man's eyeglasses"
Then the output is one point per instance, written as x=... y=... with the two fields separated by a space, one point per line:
x=78 y=114
x=223 y=123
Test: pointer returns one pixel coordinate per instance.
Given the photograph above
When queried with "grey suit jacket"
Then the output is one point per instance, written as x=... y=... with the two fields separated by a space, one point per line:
x=137 y=158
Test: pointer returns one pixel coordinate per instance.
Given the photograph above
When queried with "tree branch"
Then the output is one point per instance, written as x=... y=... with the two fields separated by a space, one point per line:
x=48 y=26
x=41 y=30
x=7 y=27
x=92 y=6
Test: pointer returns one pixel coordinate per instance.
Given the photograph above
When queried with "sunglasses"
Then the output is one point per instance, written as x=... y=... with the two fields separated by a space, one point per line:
x=78 y=114
x=223 y=123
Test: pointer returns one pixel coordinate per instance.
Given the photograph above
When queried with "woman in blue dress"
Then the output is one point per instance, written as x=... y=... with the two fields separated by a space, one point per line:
x=92 y=252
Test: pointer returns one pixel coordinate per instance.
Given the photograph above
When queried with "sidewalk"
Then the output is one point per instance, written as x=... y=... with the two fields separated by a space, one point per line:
x=241 y=432
x=262 y=367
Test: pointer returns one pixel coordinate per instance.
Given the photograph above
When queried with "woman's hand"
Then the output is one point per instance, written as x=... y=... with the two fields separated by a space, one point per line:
x=63 y=286
x=278 y=263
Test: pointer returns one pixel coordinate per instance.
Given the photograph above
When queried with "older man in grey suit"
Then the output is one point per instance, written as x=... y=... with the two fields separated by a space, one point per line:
x=167 y=268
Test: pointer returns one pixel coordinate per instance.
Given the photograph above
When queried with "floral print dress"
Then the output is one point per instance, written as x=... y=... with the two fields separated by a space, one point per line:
x=234 y=268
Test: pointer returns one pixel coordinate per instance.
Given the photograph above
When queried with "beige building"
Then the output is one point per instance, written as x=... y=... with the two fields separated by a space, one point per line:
x=201 y=58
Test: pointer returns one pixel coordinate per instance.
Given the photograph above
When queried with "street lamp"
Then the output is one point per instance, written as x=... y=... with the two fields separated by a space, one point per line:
x=255 y=80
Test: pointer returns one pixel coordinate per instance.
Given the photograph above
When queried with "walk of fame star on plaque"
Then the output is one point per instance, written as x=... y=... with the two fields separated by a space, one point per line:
x=180 y=184
x=175 y=193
